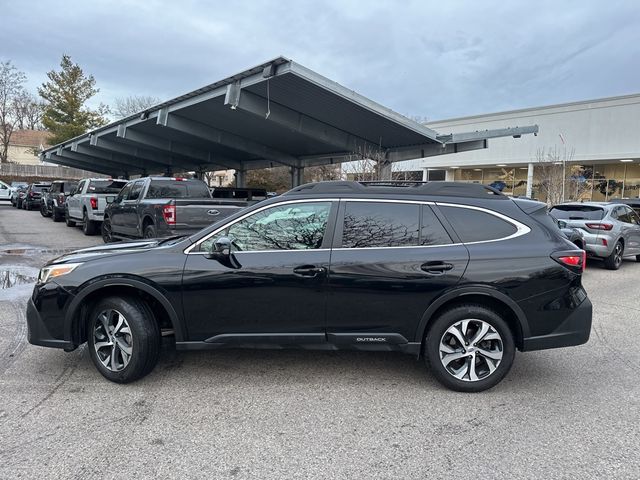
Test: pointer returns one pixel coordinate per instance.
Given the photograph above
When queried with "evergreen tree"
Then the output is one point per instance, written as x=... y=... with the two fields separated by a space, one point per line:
x=66 y=93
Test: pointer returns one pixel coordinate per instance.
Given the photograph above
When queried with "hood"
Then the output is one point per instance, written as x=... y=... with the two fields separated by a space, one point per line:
x=102 y=251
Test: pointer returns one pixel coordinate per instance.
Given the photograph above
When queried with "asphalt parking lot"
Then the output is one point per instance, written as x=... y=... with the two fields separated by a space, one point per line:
x=568 y=413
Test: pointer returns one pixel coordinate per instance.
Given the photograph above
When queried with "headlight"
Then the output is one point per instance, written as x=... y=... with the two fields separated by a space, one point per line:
x=53 y=271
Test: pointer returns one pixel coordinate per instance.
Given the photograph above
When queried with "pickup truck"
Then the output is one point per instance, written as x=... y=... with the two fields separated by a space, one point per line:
x=154 y=207
x=86 y=203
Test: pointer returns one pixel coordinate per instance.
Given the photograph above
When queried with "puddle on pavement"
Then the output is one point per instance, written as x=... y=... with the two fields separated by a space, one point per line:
x=13 y=276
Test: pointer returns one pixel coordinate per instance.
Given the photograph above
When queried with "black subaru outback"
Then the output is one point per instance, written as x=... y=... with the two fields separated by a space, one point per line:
x=457 y=274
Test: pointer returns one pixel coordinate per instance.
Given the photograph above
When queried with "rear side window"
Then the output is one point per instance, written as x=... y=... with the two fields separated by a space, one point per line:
x=477 y=226
x=178 y=189
x=382 y=224
x=105 y=186
x=577 y=212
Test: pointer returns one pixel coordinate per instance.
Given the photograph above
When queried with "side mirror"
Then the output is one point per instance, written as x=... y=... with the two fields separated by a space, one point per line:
x=562 y=224
x=221 y=251
x=110 y=200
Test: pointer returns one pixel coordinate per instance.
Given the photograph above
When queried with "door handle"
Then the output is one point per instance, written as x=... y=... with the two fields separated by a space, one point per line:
x=436 y=268
x=309 y=271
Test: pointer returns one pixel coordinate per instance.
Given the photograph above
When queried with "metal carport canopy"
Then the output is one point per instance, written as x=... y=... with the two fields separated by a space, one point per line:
x=278 y=113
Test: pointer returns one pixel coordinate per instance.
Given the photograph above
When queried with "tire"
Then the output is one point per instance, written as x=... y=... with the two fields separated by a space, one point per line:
x=614 y=261
x=56 y=215
x=89 y=227
x=142 y=339
x=67 y=219
x=44 y=211
x=107 y=231
x=150 y=231
x=637 y=258
x=488 y=370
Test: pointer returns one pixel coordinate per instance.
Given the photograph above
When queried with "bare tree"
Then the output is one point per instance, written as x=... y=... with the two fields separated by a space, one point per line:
x=28 y=111
x=558 y=176
x=11 y=86
x=127 y=106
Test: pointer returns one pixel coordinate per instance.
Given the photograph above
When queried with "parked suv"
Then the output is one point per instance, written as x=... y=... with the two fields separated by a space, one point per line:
x=611 y=231
x=53 y=201
x=86 y=203
x=16 y=189
x=33 y=195
x=434 y=270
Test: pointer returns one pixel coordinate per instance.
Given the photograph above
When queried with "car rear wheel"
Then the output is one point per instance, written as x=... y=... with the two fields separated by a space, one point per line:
x=88 y=226
x=67 y=219
x=44 y=211
x=614 y=261
x=150 y=231
x=124 y=339
x=469 y=348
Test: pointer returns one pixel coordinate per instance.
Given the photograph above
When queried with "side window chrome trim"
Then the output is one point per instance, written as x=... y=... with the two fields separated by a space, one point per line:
x=189 y=249
x=521 y=228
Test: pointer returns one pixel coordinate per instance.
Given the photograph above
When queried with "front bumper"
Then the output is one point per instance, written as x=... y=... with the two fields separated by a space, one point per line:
x=39 y=334
x=575 y=330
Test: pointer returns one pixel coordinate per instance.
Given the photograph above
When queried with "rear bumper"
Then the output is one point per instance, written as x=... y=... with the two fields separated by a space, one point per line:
x=575 y=330
x=594 y=247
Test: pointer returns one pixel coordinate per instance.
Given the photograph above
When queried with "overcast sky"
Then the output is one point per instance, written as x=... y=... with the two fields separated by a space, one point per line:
x=430 y=59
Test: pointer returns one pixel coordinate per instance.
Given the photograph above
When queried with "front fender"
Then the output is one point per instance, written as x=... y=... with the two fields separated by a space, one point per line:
x=130 y=282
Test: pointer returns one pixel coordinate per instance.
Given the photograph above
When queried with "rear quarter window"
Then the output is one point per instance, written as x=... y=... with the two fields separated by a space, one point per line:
x=477 y=226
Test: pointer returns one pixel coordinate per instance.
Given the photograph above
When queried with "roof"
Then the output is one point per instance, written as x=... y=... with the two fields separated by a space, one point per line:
x=30 y=138
x=581 y=104
x=276 y=113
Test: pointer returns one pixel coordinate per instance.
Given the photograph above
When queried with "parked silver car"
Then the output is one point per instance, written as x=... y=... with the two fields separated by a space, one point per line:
x=611 y=231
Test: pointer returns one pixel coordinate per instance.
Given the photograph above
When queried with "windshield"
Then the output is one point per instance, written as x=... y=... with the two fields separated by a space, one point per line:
x=106 y=186
x=178 y=189
x=577 y=212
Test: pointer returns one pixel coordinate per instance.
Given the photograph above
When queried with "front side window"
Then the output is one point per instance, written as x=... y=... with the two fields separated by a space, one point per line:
x=124 y=193
x=477 y=226
x=298 y=226
x=136 y=190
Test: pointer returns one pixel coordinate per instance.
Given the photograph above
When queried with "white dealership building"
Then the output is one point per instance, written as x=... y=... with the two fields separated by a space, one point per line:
x=598 y=141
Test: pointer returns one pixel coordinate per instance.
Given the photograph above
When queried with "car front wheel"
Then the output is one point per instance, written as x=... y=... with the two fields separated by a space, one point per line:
x=469 y=348
x=124 y=339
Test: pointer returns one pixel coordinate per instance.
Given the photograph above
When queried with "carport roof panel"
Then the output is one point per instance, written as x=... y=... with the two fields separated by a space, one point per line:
x=291 y=87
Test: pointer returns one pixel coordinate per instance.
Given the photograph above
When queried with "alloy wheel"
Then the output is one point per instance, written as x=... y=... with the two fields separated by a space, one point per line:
x=617 y=254
x=112 y=340
x=471 y=350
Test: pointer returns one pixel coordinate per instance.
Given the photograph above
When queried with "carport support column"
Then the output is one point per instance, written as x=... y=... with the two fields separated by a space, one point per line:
x=241 y=178
x=297 y=176
x=385 y=170
x=530 y=180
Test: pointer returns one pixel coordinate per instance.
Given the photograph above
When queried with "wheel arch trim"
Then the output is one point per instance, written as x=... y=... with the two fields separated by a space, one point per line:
x=461 y=292
x=77 y=301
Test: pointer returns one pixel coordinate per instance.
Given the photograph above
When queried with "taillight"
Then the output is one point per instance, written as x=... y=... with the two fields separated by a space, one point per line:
x=61 y=198
x=94 y=203
x=31 y=194
x=599 y=226
x=169 y=214
x=575 y=260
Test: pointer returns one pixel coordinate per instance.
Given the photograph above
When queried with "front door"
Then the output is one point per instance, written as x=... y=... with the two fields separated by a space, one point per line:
x=73 y=201
x=390 y=260
x=277 y=293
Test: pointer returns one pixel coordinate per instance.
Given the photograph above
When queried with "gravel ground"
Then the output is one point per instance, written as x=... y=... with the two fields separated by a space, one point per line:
x=567 y=413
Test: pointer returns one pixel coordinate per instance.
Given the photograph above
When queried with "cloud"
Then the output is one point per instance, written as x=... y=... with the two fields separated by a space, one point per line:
x=419 y=58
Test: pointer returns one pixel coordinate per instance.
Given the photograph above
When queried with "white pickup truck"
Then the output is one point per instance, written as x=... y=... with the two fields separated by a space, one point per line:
x=87 y=202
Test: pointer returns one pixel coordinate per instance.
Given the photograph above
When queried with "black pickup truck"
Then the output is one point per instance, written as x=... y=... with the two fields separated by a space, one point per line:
x=153 y=207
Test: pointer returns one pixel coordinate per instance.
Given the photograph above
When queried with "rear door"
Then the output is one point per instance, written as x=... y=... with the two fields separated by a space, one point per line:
x=390 y=260
x=116 y=211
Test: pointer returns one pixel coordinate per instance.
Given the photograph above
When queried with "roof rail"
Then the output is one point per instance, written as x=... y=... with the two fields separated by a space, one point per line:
x=448 y=189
